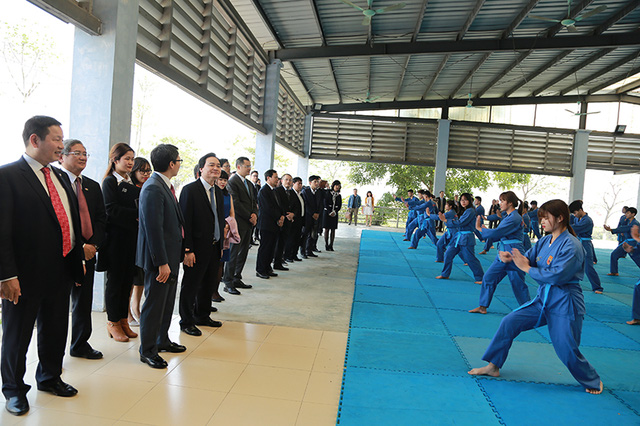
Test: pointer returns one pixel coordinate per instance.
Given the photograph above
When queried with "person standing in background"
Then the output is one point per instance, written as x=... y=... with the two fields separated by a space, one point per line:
x=332 y=205
x=354 y=204
x=367 y=209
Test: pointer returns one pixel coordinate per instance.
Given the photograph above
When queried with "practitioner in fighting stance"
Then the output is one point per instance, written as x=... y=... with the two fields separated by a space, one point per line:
x=583 y=227
x=556 y=262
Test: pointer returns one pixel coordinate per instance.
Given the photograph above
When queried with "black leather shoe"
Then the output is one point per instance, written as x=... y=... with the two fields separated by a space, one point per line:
x=191 y=330
x=304 y=256
x=280 y=268
x=208 y=322
x=17 y=405
x=155 y=361
x=297 y=259
x=273 y=274
x=312 y=255
x=285 y=262
x=288 y=261
x=57 y=387
x=316 y=251
x=231 y=290
x=173 y=347
x=240 y=284
x=263 y=276
x=217 y=299
x=88 y=354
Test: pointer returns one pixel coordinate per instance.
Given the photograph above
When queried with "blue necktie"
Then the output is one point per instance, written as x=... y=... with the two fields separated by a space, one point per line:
x=216 y=234
x=246 y=183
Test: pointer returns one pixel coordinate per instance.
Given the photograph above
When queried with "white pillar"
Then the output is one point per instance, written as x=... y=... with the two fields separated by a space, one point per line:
x=266 y=144
x=579 y=166
x=638 y=197
x=303 y=161
x=442 y=154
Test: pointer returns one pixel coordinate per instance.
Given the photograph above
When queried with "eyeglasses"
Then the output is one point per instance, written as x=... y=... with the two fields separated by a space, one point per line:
x=178 y=161
x=79 y=154
x=145 y=172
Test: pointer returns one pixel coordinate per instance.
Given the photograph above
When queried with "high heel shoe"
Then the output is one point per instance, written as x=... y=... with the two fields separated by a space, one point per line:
x=124 y=323
x=114 y=330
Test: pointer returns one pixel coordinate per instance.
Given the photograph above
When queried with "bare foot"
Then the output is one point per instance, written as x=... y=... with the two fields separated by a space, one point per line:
x=466 y=264
x=613 y=274
x=439 y=261
x=489 y=370
x=483 y=252
x=595 y=391
x=634 y=322
x=440 y=277
x=479 y=310
x=598 y=291
x=412 y=248
x=478 y=282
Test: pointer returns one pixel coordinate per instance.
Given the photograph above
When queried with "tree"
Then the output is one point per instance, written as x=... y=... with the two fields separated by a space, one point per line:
x=26 y=54
x=611 y=199
x=330 y=170
x=142 y=105
x=188 y=154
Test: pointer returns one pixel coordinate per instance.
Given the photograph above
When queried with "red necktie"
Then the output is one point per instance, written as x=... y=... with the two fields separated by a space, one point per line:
x=61 y=214
x=85 y=217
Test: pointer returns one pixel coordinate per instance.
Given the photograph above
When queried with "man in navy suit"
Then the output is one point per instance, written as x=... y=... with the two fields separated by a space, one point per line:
x=202 y=205
x=270 y=221
x=93 y=220
x=40 y=259
x=159 y=253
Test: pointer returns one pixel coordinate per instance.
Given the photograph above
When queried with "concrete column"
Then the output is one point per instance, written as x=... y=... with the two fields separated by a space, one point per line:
x=579 y=166
x=442 y=154
x=102 y=90
x=303 y=161
x=637 y=204
x=266 y=144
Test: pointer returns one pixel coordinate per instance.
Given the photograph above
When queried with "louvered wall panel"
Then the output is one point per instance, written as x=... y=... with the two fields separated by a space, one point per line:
x=290 y=121
x=510 y=148
x=608 y=151
x=374 y=140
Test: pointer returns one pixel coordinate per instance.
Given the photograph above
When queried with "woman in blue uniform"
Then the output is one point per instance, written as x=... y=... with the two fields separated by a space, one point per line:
x=635 y=307
x=526 y=241
x=464 y=241
x=509 y=233
x=556 y=262
x=583 y=227
x=449 y=233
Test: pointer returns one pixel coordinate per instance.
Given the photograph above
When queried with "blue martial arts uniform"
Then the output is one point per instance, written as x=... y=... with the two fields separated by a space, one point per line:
x=479 y=212
x=488 y=242
x=535 y=226
x=422 y=225
x=414 y=213
x=583 y=228
x=463 y=243
x=526 y=241
x=622 y=222
x=411 y=214
x=446 y=237
x=619 y=252
x=635 y=307
x=509 y=232
x=557 y=266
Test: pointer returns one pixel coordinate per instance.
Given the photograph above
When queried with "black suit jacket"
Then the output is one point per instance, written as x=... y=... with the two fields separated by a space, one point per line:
x=270 y=210
x=31 y=242
x=199 y=225
x=244 y=202
x=312 y=204
x=95 y=203
x=295 y=206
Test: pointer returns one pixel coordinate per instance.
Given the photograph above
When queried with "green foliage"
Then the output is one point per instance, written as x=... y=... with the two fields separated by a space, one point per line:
x=188 y=153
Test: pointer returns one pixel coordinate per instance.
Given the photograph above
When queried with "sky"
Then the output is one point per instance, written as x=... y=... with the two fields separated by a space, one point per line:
x=175 y=113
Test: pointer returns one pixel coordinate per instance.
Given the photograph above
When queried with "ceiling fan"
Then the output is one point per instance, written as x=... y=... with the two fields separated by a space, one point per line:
x=370 y=12
x=581 y=113
x=369 y=99
x=470 y=103
x=570 y=23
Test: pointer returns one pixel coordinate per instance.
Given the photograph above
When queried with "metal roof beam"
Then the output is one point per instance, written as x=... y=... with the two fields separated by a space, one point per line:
x=459 y=46
x=628 y=87
x=70 y=11
x=602 y=72
x=616 y=79
x=446 y=103
x=470 y=19
x=414 y=37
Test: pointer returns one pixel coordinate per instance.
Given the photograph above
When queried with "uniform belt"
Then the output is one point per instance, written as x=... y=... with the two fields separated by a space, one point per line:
x=585 y=239
x=460 y=233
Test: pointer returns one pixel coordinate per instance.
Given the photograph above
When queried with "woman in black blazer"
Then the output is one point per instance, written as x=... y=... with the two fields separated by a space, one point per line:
x=332 y=205
x=118 y=257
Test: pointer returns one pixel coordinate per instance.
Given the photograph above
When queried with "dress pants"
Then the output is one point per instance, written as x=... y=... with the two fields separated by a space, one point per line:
x=156 y=312
x=283 y=237
x=48 y=308
x=197 y=288
x=268 y=240
x=81 y=301
x=237 y=256
x=293 y=240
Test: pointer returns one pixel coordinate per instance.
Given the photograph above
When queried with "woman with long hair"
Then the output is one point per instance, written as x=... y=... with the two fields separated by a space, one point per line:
x=556 y=262
x=332 y=205
x=464 y=241
x=367 y=208
x=119 y=256
x=139 y=174
x=509 y=234
x=221 y=182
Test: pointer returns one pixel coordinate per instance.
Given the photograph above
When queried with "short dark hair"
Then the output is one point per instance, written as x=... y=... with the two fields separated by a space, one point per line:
x=203 y=160
x=223 y=160
x=410 y=190
x=297 y=179
x=575 y=206
x=38 y=125
x=224 y=175
x=286 y=174
x=633 y=210
x=196 y=171
x=534 y=203
x=254 y=171
x=268 y=173
x=138 y=164
x=69 y=144
x=478 y=198
x=240 y=161
x=313 y=177
x=162 y=156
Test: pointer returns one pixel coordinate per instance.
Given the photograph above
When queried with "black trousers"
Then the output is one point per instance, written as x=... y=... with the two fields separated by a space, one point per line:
x=117 y=289
x=156 y=312
x=237 y=257
x=293 y=240
x=49 y=309
x=268 y=240
x=283 y=236
x=81 y=301
x=197 y=288
x=310 y=237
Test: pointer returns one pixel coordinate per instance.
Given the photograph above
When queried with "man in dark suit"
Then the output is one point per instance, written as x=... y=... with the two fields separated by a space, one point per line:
x=202 y=207
x=295 y=233
x=246 y=211
x=93 y=220
x=255 y=185
x=159 y=253
x=440 y=202
x=284 y=196
x=40 y=259
x=270 y=221
x=313 y=207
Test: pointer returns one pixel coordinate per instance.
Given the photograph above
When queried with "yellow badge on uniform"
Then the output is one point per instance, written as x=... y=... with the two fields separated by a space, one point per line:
x=549 y=259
